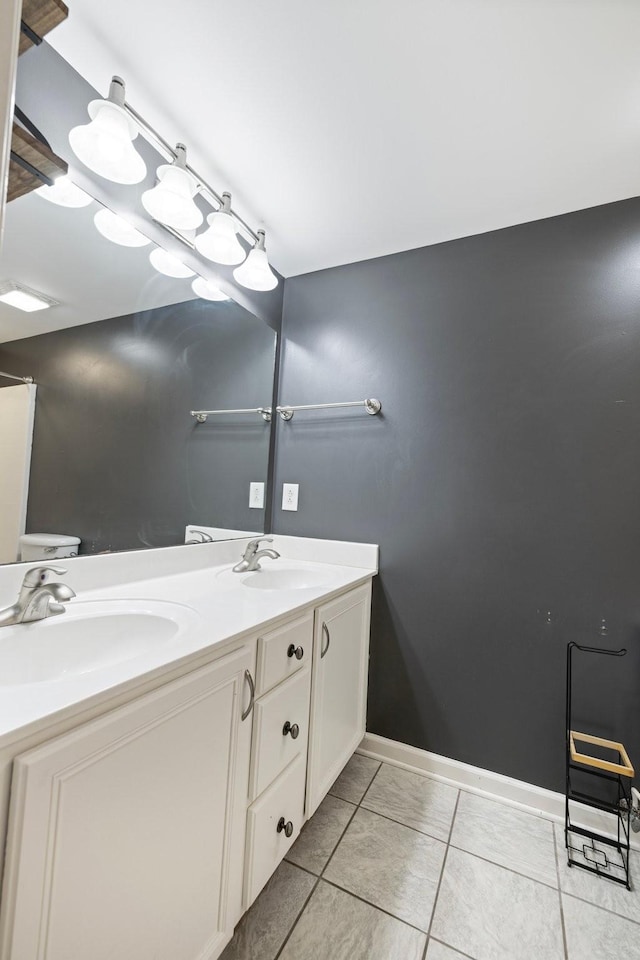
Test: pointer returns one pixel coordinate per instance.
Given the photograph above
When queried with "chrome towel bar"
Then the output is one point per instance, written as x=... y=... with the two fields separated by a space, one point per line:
x=10 y=376
x=372 y=406
x=201 y=415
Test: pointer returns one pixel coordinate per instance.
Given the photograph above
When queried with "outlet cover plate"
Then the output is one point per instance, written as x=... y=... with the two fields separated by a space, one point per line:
x=289 y=496
x=256 y=495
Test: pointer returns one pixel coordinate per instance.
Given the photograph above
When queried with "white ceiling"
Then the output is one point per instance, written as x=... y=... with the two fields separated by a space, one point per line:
x=355 y=128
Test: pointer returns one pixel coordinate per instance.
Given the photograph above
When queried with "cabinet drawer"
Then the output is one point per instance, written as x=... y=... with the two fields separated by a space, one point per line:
x=266 y=845
x=278 y=652
x=272 y=748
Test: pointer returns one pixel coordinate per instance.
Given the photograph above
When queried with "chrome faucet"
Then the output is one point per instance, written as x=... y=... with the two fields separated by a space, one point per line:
x=200 y=536
x=252 y=555
x=37 y=598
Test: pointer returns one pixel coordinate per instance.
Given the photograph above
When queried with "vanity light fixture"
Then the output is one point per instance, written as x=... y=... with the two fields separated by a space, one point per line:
x=21 y=297
x=207 y=290
x=255 y=273
x=105 y=145
x=166 y=263
x=220 y=241
x=171 y=200
x=65 y=193
x=114 y=228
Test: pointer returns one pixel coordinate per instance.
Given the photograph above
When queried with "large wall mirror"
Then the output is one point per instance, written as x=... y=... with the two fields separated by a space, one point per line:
x=118 y=365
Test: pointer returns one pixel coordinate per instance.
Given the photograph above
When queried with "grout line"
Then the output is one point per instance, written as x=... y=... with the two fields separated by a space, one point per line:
x=518 y=873
x=591 y=903
x=562 y=923
x=528 y=812
x=292 y=863
x=597 y=906
x=375 y=906
x=356 y=803
x=339 y=841
x=307 y=869
x=317 y=877
x=401 y=823
x=370 y=782
x=453 y=818
x=467 y=788
x=444 y=861
x=448 y=945
x=299 y=914
x=359 y=805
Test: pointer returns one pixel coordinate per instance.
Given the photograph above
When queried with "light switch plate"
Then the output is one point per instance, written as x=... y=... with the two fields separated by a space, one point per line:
x=289 y=496
x=256 y=495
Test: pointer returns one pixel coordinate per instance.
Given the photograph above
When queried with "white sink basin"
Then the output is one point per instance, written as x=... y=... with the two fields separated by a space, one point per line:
x=273 y=579
x=89 y=636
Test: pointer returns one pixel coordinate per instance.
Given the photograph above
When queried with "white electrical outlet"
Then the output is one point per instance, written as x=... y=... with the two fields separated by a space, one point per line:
x=289 y=496
x=256 y=496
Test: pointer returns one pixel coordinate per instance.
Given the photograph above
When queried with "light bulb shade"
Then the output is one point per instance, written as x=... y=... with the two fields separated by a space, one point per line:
x=171 y=200
x=220 y=242
x=207 y=290
x=65 y=193
x=255 y=273
x=114 y=228
x=166 y=263
x=105 y=146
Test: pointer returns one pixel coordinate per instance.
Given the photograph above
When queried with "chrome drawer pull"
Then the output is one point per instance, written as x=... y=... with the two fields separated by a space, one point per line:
x=252 y=693
x=293 y=729
x=287 y=827
x=325 y=631
x=297 y=652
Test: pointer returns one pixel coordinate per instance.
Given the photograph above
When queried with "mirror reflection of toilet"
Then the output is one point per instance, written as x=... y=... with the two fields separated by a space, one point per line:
x=48 y=546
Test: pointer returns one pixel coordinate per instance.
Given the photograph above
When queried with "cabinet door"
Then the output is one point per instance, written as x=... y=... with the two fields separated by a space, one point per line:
x=127 y=835
x=338 y=689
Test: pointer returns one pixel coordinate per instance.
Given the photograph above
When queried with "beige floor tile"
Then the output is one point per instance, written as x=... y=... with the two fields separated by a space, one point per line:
x=337 y=926
x=352 y=783
x=320 y=835
x=389 y=865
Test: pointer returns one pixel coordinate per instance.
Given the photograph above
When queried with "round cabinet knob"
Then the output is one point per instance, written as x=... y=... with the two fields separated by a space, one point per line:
x=287 y=827
x=291 y=728
x=297 y=652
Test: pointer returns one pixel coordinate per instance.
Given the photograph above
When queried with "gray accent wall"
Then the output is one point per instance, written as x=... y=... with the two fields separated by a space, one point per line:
x=502 y=480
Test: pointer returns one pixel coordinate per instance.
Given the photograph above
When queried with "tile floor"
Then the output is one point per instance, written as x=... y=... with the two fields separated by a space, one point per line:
x=395 y=866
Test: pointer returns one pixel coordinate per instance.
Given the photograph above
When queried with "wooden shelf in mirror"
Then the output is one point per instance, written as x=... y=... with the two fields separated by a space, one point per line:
x=26 y=146
x=41 y=16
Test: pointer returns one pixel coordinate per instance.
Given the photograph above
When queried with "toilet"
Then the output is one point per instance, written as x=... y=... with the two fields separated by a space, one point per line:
x=48 y=546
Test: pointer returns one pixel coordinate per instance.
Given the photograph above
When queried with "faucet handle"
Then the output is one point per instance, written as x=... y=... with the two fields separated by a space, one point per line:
x=205 y=537
x=38 y=575
x=256 y=543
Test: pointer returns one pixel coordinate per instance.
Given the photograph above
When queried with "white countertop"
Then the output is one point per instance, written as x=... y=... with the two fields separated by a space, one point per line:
x=225 y=610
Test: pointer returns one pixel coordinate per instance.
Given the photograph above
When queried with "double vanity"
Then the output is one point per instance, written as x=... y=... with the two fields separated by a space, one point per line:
x=163 y=741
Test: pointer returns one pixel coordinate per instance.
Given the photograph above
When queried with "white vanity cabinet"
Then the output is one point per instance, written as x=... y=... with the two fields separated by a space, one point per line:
x=330 y=713
x=145 y=831
x=126 y=835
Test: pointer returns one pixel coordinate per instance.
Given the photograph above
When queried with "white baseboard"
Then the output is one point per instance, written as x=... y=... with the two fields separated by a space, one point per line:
x=516 y=793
